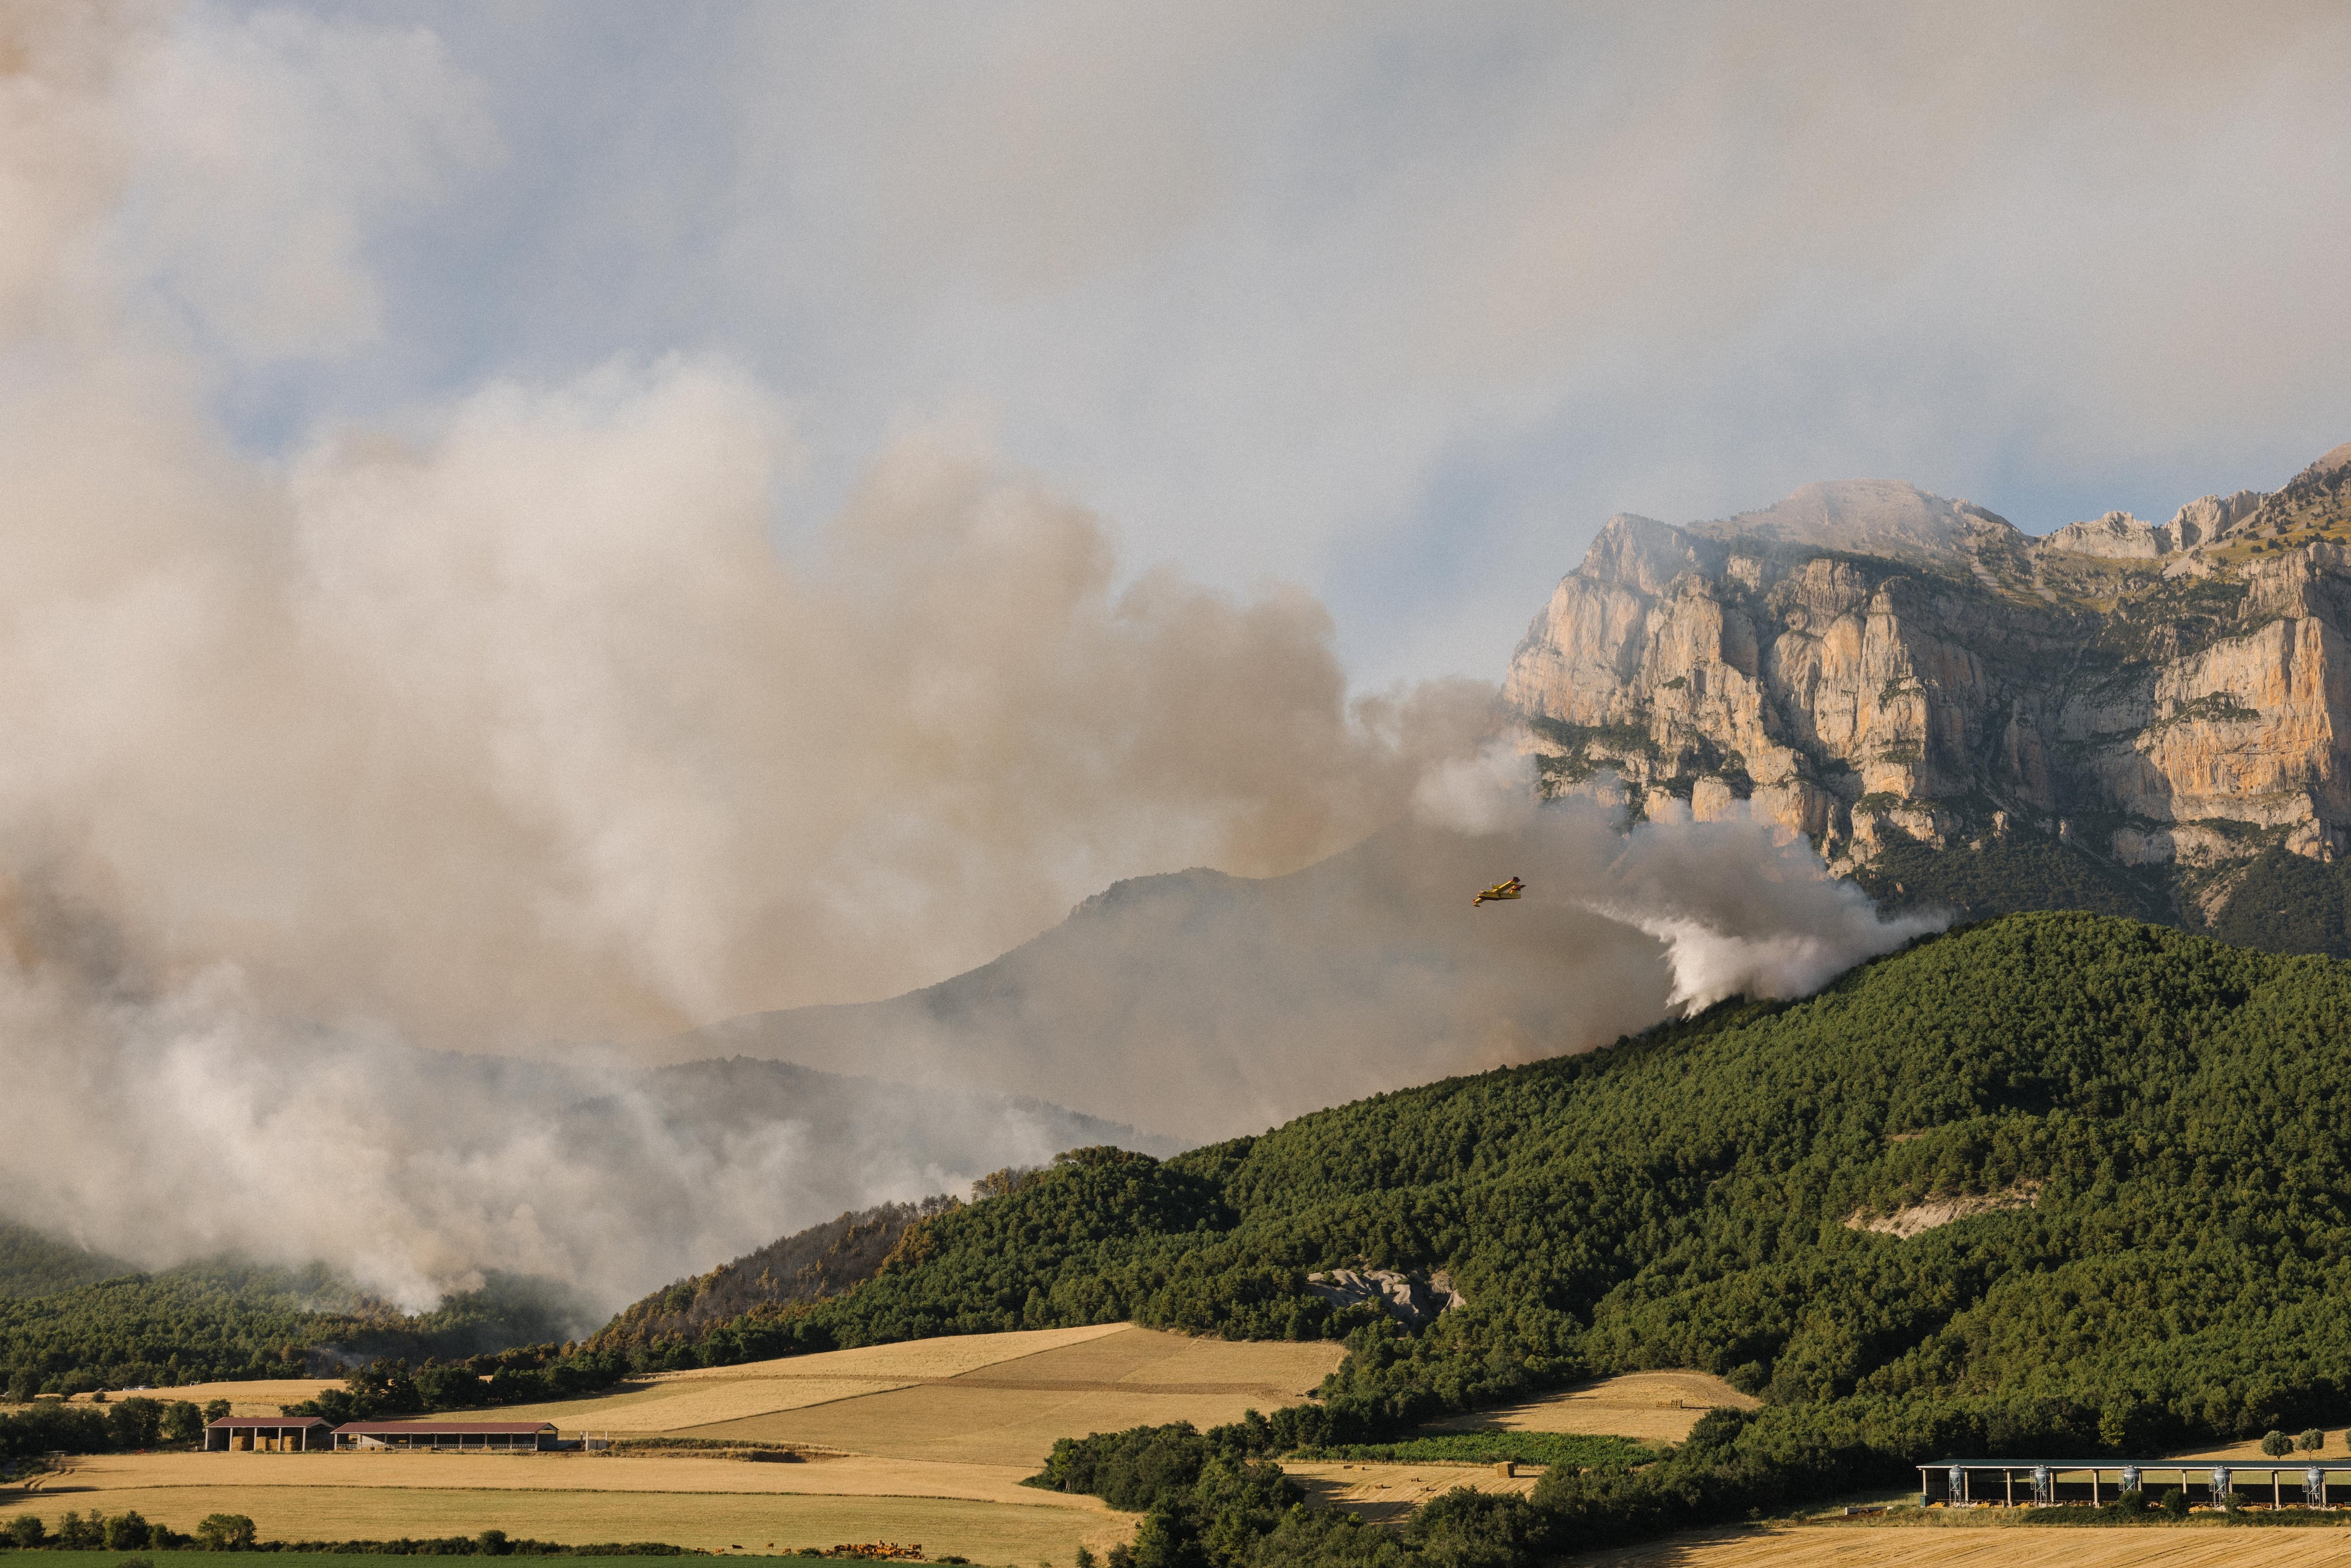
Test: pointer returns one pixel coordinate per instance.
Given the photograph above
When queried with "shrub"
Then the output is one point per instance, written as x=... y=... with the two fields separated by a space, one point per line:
x=135 y=1422
x=1466 y=1529
x=2175 y=1502
x=182 y=1423
x=126 y=1531
x=226 y=1532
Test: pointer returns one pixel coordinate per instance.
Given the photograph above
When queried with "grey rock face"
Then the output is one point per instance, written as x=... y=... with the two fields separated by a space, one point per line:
x=1409 y=1297
x=1865 y=660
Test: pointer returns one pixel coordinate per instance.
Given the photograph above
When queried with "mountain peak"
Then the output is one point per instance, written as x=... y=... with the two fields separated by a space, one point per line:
x=2155 y=696
x=1864 y=517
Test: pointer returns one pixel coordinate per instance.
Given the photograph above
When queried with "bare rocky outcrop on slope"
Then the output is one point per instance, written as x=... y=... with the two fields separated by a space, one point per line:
x=1872 y=666
x=1935 y=1212
x=1410 y=1298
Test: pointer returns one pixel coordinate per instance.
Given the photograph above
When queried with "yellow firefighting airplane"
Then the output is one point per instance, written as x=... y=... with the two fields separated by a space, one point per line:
x=1499 y=892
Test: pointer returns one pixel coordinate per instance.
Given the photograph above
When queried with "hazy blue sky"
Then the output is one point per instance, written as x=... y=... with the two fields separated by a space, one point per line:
x=1394 y=301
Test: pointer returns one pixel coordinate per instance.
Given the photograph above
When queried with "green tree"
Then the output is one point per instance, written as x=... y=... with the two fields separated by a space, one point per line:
x=126 y=1532
x=27 y=1530
x=2276 y=1444
x=226 y=1532
x=2311 y=1441
x=2175 y=1502
x=135 y=1422
x=214 y=1409
x=183 y=1422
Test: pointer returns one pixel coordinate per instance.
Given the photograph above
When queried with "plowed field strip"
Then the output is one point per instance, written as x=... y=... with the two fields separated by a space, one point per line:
x=1991 y=1546
x=985 y=1531
x=1043 y=1384
x=93 y=1478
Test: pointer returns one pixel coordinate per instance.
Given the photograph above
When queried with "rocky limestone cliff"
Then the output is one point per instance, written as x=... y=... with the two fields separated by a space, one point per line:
x=1868 y=664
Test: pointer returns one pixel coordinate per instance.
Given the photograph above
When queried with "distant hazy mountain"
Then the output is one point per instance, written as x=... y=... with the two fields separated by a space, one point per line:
x=1201 y=1004
x=2149 y=720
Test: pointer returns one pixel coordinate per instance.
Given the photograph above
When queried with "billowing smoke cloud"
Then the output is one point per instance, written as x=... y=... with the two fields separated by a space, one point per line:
x=1209 y=1006
x=505 y=724
x=1745 y=912
x=194 y=1122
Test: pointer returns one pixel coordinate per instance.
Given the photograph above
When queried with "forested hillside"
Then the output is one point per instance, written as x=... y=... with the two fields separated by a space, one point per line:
x=806 y=1265
x=2177 y=1110
x=227 y=1320
x=33 y=1264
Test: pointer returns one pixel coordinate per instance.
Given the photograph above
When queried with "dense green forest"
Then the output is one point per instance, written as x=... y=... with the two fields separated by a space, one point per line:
x=32 y=1264
x=224 y=1319
x=2025 y=871
x=2180 y=1109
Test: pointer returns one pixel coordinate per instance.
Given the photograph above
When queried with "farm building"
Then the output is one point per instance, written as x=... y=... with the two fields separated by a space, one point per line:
x=268 y=1434
x=2030 y=1483
x=445 y=1437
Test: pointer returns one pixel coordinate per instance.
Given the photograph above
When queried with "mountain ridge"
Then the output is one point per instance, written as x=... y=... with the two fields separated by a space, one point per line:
x=1873 y=666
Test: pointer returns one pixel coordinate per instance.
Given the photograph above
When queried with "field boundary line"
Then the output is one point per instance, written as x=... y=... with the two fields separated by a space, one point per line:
x=1068 y=1501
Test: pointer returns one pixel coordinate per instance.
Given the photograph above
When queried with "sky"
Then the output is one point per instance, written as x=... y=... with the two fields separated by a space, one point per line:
x=1395 y=303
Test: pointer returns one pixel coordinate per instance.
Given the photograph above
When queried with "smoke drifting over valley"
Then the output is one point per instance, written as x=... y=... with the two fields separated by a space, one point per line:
x=1207 y=1005
x=505 y=724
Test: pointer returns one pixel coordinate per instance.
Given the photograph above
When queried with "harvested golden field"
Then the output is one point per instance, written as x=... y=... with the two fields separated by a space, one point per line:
x=1384 y=1494
x=1010 y=1412
x=677 y=1401
x=1650 y=1407
x=1986 y=1546
x=980 y=1512
x=257 y=1398
x=941 y=1432
x=848 y=1476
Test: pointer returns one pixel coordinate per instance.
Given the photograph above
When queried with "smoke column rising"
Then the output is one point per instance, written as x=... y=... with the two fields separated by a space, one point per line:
x=504 y=722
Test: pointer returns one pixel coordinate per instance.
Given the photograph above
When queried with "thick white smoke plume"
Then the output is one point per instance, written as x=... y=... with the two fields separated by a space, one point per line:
x=1744 y=912
x=505 y=723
